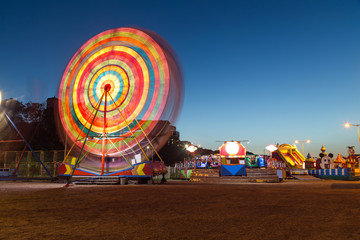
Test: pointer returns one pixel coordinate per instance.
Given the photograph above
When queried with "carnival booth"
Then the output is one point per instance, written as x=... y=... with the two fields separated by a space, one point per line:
x=232 y=154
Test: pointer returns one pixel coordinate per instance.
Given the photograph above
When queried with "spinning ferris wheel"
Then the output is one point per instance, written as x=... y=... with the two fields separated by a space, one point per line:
x=118 y=97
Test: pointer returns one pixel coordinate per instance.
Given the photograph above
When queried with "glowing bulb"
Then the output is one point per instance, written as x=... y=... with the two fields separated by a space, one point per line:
x=271 y=148
x=347 y=125
x=232 y=148
x=191 y=148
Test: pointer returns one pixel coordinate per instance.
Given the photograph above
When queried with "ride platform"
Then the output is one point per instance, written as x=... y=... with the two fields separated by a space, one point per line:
x=252 y=175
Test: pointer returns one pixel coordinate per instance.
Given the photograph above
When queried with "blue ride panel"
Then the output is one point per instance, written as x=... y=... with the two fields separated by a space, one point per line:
x=233 y=170
x=261 y=162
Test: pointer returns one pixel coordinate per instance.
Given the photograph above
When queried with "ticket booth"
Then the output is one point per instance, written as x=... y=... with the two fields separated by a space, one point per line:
x=233 y=159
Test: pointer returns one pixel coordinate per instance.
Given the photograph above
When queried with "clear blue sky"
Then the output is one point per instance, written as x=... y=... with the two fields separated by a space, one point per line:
x=267 y=71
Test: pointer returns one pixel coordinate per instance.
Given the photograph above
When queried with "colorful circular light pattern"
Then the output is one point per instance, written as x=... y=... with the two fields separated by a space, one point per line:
x=144 y=86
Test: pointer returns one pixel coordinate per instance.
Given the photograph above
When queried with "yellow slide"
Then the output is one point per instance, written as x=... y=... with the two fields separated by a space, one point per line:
x=290 y=155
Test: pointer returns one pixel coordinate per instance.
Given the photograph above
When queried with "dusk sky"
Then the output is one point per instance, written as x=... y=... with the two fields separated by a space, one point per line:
x=267 y=71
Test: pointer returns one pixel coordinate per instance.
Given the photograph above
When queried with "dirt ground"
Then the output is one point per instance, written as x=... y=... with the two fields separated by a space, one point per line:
x=181 y=210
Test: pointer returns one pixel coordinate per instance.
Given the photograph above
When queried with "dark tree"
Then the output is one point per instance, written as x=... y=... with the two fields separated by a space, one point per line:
x=35 y=121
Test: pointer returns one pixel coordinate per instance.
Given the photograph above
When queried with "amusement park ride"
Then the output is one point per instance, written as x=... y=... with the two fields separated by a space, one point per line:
x=118 y=96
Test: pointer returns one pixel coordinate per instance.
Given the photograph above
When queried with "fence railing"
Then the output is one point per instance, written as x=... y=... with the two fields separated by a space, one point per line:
x=29 y=166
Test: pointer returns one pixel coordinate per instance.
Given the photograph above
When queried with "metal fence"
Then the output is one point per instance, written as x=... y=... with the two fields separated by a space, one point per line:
x=29 y=166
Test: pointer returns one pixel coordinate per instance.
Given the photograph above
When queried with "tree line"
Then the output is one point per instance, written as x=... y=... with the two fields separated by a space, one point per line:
x=35 y=121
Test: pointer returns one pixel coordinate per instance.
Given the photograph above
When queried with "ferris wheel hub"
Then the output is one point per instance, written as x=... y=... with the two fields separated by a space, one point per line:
x=107 y=87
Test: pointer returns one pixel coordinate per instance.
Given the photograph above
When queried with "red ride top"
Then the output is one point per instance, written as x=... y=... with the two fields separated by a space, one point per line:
x=232 y=149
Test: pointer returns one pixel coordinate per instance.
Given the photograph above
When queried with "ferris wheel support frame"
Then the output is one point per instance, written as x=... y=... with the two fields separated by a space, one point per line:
x=104 y=138
x=104 y=132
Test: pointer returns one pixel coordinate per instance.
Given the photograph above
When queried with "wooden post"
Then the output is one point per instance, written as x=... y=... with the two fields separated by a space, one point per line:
x=54 y=162
x=28 y=163
x=42 y=159
x=5 y=155
x=17 y=157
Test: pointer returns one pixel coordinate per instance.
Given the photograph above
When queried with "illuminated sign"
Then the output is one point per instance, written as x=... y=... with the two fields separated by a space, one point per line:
x=271 y=148
x=232 y=149
x=191 y=148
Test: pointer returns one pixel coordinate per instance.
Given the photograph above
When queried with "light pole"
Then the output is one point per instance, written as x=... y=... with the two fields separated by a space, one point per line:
x=302 y=144
x=192 y=150
x=347 y=125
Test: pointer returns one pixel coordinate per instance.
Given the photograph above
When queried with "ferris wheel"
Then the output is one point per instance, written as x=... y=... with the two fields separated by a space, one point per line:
x=118 y=97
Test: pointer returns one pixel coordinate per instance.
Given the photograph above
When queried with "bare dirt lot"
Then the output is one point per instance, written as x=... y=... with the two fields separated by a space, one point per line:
x=181 y=210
